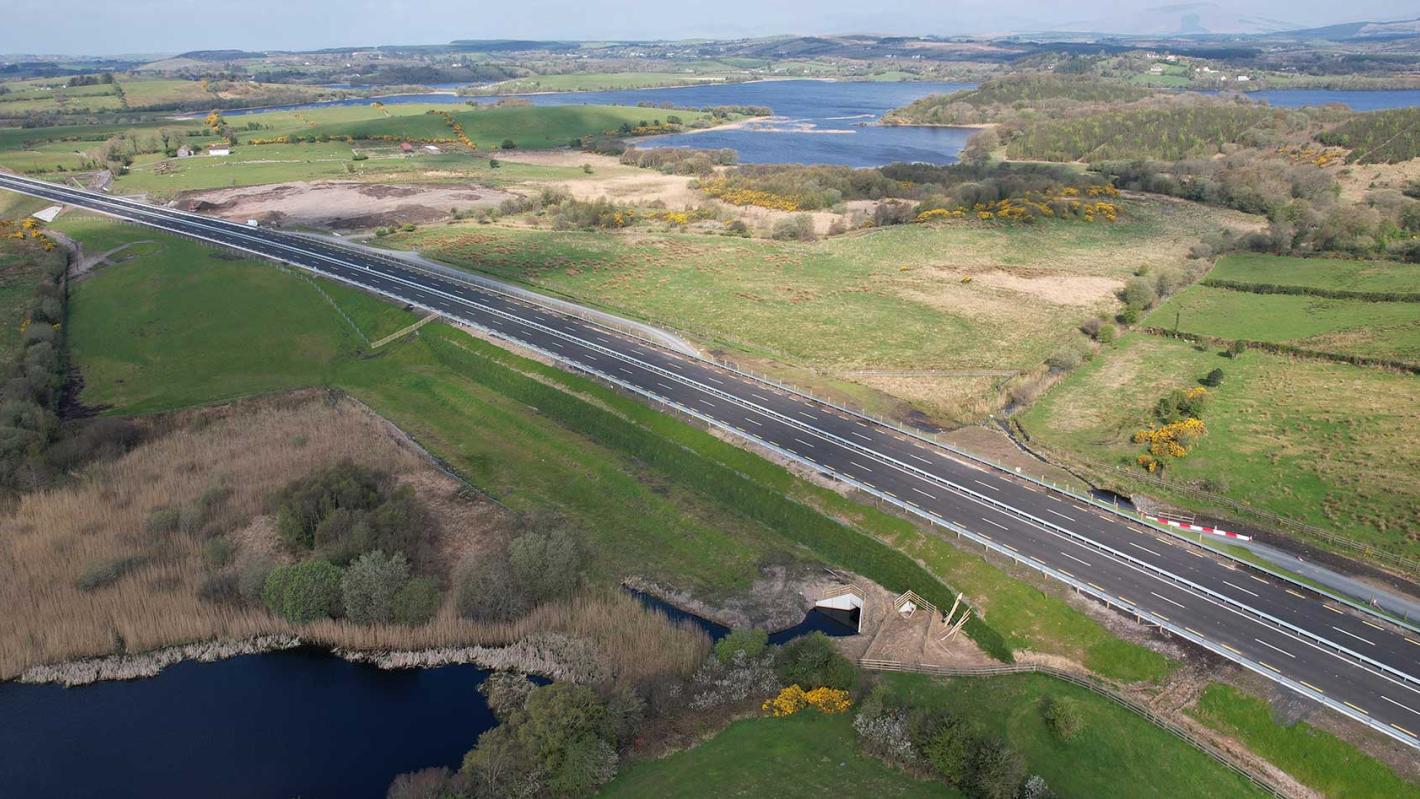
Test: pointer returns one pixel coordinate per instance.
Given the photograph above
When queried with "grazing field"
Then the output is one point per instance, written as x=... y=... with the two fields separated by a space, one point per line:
x=910 y=315
x=1314 y=757
x=1323 y=442
x=1388 y=330
x=465 y=401
x=807 y=755
x=1322 y=273
x=1115 y=748
x=529 y=127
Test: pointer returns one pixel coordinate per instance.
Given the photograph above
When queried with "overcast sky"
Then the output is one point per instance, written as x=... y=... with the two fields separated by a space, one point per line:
x=171 y=26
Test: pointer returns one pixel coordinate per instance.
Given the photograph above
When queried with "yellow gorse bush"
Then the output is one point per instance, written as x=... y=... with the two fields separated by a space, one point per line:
x=720 y=189
x=1172 y=440
x=792 y=699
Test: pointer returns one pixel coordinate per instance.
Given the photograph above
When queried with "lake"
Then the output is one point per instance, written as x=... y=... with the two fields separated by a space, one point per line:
x=1356 y=100
x=815 y=121
x=300 y=722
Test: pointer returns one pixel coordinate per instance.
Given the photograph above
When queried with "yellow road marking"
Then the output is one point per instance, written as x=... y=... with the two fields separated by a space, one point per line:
x=1353 y=707
x=1377 y=626
x=1295 y=594
x=1402 y=729
x=1270 y=666
x=1313 y=687
x=1333 y=610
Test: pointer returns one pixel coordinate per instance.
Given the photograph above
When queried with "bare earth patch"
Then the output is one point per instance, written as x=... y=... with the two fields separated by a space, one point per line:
x=339 y=205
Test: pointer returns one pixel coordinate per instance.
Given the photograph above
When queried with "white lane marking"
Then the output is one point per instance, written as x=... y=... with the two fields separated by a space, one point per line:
x=1170 y=601
x=920 y=458
x=998 y=524
x=664 y=386
x=1397 y=704
x=805 y=443
x=715 y=380
x=758 y=397
x=923 y=493
x=860 y=466
x=808 y=416
x=623 y=370
x=752 y=421
x=988 y=485
x=704 y=401
x=1353 y=635
x=1058 y=513
x=1077 y=560
x=1146 y=549
x=1270 y=646
x=1240 y=588
x=860 y=435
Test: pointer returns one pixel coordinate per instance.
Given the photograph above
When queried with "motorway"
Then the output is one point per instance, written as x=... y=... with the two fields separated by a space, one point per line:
x=1357 y=664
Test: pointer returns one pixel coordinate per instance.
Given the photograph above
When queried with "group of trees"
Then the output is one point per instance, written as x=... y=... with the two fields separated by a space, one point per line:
x=679 y=160
x=1379 y=136
x=504 y=583
x=1011 y=98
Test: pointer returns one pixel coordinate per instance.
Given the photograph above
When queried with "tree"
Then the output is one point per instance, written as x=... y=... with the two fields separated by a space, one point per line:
x=750 y=642
x=371 y=584
x=303 y=504
x=1213 y=378
x=507 y=692
x=417 y=601
x=1236 y=348
x=994 y=770
x=812 y=662
x=945 y=742
x=487 y=590
x=546 y=563
x=509 y=144
x=303 y=592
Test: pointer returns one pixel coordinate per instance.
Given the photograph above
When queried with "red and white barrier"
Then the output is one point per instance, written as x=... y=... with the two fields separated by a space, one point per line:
x=1197 y=528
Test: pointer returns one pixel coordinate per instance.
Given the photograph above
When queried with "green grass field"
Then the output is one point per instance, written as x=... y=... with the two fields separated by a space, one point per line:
x=1323 y=442
x=208 y=319
x=601 y=81
x=1389 y=330
x=1115 y=749
x=807 y=755
x=21 y=265
x=1326 y=273
x=889 y=299
x=530 y=127
x=1314 y=757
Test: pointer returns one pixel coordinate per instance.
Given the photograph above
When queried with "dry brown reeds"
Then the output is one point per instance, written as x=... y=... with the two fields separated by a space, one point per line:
x=104 y=523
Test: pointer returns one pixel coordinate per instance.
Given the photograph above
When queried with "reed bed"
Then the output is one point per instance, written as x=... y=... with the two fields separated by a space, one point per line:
x=147 y=595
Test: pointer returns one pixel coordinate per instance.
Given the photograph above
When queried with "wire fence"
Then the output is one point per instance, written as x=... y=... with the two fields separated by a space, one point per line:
x=1244 y=770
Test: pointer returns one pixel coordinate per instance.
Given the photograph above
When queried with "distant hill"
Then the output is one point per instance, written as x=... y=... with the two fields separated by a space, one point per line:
x=1180 y=19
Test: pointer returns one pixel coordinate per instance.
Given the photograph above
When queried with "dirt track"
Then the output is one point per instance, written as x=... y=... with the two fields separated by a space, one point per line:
x=339 y=205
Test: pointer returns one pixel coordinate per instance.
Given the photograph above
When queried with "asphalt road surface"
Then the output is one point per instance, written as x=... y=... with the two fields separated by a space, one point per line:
x=1357 y=664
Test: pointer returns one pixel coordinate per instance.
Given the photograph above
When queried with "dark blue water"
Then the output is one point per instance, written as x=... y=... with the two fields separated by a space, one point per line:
x=815 y=121
x=273 y=726
x=1355 y=100
x=816 y=620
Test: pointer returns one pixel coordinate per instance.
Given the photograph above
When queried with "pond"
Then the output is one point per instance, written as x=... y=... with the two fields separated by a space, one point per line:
x=300 y=722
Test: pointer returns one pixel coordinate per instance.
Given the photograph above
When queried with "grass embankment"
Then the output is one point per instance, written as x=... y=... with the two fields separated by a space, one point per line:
x=22 y=269
x=1314 y=757
x=810 y=754
x=636 y=477
x=806 y=755
x=911 y=314
x=1334 y=274
x=1317 y=441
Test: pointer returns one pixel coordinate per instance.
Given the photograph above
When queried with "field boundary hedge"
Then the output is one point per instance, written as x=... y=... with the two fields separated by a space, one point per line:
x=827 y=538
x=1313 y=291
x=1287 y=349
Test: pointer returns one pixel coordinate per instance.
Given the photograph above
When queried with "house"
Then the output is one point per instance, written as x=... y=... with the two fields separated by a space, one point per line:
x=406 y=147
x=184 y=152
x=431 y=148
x=1157 y=69
x=219 y=149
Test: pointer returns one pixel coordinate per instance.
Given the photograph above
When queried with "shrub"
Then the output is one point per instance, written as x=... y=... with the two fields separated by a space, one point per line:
x=1213 y=379
x=882 y=732
x=945 y=742
x=107 y=572
x=1138 y=293
x=251 y=577
x=994 y=771
x=812 y=661
x=303 y=592
x=509 y=144
x=799 y=227
x=417 y=601
x=303 y=504
x=1107 y=334
x=217 y=551
x=547 y=564
x=506 y=691
x=557 y=744
x=749 y=642
x=1065 y=359
x=1062 y=716
x=487 y=591
x=370 y=585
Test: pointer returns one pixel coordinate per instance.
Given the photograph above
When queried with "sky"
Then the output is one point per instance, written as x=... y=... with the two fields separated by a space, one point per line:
x=106 y=27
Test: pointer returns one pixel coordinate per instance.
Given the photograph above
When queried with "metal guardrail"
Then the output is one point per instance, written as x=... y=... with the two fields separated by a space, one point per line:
x=1253 y=776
